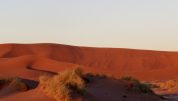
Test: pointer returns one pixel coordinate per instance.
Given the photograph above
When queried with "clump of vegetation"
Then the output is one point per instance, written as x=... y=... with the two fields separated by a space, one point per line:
x=14 y=82
x=99 y=75
x=135 y=85
x=168 y=84
x=130 y=79
x=62 y=85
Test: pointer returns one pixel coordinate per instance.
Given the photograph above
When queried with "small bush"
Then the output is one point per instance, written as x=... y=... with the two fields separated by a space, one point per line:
x=136 y=85
x=15 y=82
x=62 y=85
x=130 y=79
x=145 y=88
x=170 y=84
x=99 y=75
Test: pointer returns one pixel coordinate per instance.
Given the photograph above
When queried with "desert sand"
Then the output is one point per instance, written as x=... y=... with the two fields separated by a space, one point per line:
x=29 y=61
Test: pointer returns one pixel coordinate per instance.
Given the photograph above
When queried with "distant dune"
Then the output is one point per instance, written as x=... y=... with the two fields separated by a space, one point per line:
x=29 y=61
x=142 y=64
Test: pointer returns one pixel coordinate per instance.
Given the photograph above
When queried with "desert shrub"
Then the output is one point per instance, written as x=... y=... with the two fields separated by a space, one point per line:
x=44 y=79
x=145 y=88
x=167 y=84
x=15 y=82
x=62 y=85
x=130 y=79
x=99 y=75
x=171 y=83
x=136 y=85
x=54 y=88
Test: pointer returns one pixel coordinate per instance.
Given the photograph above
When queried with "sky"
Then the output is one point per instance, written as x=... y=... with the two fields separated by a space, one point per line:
x=138 y=24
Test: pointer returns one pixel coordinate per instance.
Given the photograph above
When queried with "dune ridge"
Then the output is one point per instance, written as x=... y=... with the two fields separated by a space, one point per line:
x=115 y=61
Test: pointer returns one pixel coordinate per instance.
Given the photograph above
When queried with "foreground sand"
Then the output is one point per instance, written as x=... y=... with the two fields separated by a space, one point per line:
x=32 y=60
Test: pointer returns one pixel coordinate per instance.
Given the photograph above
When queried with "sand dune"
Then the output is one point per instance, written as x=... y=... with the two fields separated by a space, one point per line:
x=113 y=60
x=32 y=60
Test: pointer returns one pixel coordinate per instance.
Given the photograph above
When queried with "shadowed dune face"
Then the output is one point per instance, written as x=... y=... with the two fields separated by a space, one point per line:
x=142 y=64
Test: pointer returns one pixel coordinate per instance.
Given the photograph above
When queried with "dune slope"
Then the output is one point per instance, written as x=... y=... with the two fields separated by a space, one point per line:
x=114 y=61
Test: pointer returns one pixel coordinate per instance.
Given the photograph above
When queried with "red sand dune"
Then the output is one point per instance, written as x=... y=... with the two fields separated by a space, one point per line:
x=143 y=64
x=31 y=60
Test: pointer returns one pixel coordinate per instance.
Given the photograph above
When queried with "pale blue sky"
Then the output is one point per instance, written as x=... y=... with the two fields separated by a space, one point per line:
x=140 y=24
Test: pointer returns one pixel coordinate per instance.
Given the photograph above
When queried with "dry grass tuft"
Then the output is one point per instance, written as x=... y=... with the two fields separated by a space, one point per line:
x=136 y=85
x=169 y=85
x=62 y=85
x=99 y=75
x=14 y=82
